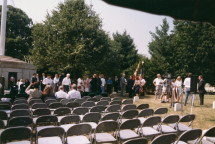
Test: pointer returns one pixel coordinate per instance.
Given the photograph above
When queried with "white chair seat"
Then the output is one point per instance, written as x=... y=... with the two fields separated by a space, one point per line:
x=149 y=131
x=34 y=120
x=20 y=142
x=206 y=142
x=180 y=142
x=78 y=140
x=127 y=134
x=142 y=119
x=50 y=140
x=181 y=127
x=166 y=129
x=104 y=137
x=5 y=122
x=210 y=139
x=67 y=126
x=60 y=118
x=93 y=124
x=43 y=127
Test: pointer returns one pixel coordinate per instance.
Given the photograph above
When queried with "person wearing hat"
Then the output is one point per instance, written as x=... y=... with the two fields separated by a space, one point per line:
x=158 y=86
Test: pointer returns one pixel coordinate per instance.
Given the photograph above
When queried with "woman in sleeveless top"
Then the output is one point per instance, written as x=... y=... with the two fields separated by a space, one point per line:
x=136 y=86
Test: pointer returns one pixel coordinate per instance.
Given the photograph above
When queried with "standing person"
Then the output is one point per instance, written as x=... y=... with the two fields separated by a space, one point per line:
x=23 y=87
x=19 y=84
x=178 y=85
x=201 y=89
x=93 y=84
x=34 y=78
x=27 y=82
x=109 y=85
x=103 y=84
x=87 y=84
x=48 y=80
x=123 y=82
x=35 y=92
x=158 y=86
x=187 y=89
x=130 y=87
x=38 y=77
x=143 y=82
x=99 y=84
x=173 y=86
x=61 y=94
x=166 y=88
x=116 y=84
x=136 y=86
x=73 y=93
x=66 y=83
x=56 y=83
x=80 y=84
x=62 y=76
x=42 y=86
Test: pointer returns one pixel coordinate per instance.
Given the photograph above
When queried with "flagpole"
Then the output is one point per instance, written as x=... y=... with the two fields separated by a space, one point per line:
x=3 y=27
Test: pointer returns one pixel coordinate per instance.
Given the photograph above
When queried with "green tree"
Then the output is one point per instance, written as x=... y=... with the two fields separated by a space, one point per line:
x=18 y=33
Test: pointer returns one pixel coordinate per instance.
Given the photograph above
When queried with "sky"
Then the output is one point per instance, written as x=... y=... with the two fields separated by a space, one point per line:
x=115 y=19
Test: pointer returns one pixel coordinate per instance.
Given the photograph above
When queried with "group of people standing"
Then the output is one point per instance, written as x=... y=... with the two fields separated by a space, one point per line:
x=174 y=88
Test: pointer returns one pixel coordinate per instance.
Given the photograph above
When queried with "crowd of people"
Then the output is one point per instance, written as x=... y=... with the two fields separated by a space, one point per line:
x=174 y=88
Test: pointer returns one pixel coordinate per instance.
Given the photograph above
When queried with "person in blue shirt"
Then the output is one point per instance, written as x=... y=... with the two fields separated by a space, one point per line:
x=109 y=85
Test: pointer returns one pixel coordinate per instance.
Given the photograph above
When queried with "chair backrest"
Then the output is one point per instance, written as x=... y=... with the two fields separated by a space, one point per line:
x=164 y=139
x=49 y=98
x=5 y=107
x=117 y=99
x=130 y=124
x=80 y=110
x=51 y=131
x=116 y=102
x=92 y=117
x=210 y=132
x=49 y=101
x=6 y=103
x=127 y=101
x=146 y=113
x=33 y=101
x=92 y=99
x=98 y=97
x=80 y=101
x=136 y=141
x=79 y=129
x=41 y=112
x=86 y=97
x=111 y=116
x=64 y=101
x=23 y=101
x=46 y=120
x=170 y=119
x=2 y=125
x=3 y=115
x=98 y=108
x=62 y=111
x=103 y=103
x=55 y=105
x=190 y=135
x=72 y=105
x=160 y=111
x=113 y=108
x=88 y=104
x=15 y=133
x=106 y=126
x=20 y=98
x=151 y=121
x=129 y=114
x=187 y=118
x=143 y=106
x=20 y=106
x=105 y=98
x=129 y=107
x=70 y=119
x=20 y=112
x=39 y=105
x=20 y=121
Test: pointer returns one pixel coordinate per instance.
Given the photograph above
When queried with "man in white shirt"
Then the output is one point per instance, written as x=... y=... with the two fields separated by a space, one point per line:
x=187 y=88
x=73 y=93
x=103 y=84
x=48 y=80
x=60 y=93
x=158 y=86
x=66 y=83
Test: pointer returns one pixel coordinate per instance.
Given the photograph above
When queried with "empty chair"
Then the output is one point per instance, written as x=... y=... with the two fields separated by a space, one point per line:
x=49 y=98
x=22 y=135
x=88 y=104
x=128 y=107
x=105 y=98
x=126 y=129
x=20 y=98
x=98 y=97
x=2 y=125
x=144 y=114
x=72 y=105
x=77 y=134
x=86 y=97
x=45 y=121
x=92 y=119
x=98 y=108
x=113 y=108
x=50 y=135
x=39 y=105
x=55 y=105
x=80 y=111
x=62 y=111
x=104 y=132
x=4 y=117
x=23 y=101
x=143 y=106
x=164 y=139
x=116 y=102
x=111 y=116
x=20 y=112
x=147 y=129
x=164 y=126
x=184 y=124
x=208 y=137
x=92 y=99
x=6 y=103
x=68 y=121
x=190 y=135
x=80 y=101
x=5 y=107
x=127 y=101
x=136 y=141
x=41 y=112
x=20 y=121
x=129 y=114
x=64 y=101
x=33 y=101
x=117 y=99
x=103 y=103
x=20 y=106
x=161 y=111
x=49 y=101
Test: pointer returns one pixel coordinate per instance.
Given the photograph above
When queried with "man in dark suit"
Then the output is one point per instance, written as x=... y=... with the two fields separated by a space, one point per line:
x=123 y=83
x=201 y=89
x=130 y=87
x=34 y=78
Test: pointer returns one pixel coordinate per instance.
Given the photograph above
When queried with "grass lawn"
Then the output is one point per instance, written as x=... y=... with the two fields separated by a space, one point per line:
x=205 y=115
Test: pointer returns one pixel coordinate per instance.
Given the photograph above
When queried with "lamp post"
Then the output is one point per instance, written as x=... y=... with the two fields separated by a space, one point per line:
x=3 y=27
